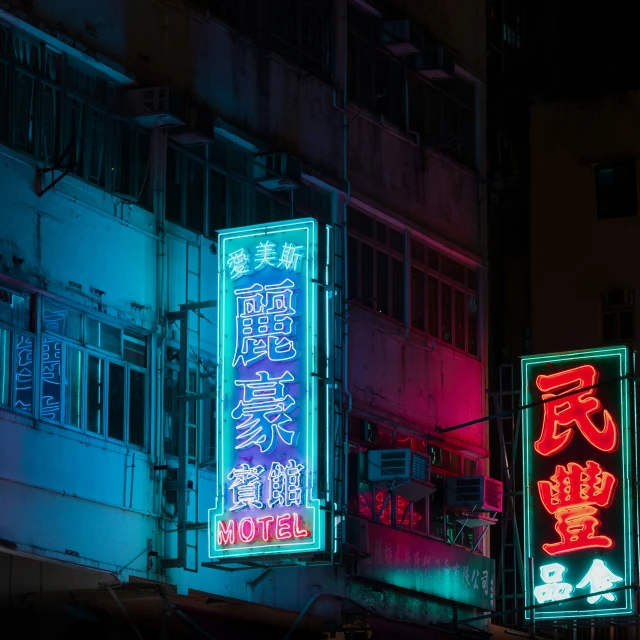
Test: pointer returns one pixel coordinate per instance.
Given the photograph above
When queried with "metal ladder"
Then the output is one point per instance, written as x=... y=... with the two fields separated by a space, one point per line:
x=510 y=587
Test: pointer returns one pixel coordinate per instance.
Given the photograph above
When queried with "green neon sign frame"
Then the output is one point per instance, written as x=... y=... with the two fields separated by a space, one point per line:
x=615 y=396
x=301 y=233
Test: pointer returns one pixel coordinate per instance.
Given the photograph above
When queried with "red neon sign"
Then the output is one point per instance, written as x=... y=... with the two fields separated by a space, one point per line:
x=576 y=409
x=573 y=496
x=282 y=527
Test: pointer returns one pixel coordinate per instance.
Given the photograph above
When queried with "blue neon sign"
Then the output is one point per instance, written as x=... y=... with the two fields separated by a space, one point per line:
x=267 y=444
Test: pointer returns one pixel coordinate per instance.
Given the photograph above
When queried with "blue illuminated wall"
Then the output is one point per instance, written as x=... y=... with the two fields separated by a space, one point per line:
x=267 y=500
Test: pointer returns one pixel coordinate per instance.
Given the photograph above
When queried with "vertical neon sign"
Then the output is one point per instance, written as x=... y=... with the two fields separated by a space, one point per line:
x=267 y=431
x=577 y=482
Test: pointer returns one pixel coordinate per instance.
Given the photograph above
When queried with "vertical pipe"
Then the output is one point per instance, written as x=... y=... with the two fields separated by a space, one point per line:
x=182 y=435
x=133 y=475
x=531 y=599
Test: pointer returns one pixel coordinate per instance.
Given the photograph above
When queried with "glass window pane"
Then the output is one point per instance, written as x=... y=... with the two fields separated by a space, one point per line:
x=195 y=194
x=360 y=222
x=5 y=367
x=24 y=373
x=171 y=412
x=352 y=263
x=366 y=275
x=436 y=507
x=397 y=290
x=209 y=420
x=136 y=407
x=446 y=312
x=103 y=336
x=432 y=259
x=452 y=269
x=433 y=307
x=173 y=200
x=472 y=325
x=115 y=419
x=609 y=327
x=217 y=201
x=95 y=394
x=382 y=283
x=57 y=319
x=396 y=240
x=51 y=364
x=73 y=388
x=459 y=318
x=135 y=349
x=626 y=325
x=418 y=302
x=417 y=251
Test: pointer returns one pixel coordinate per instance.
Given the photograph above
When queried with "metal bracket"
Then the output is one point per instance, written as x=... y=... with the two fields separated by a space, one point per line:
x=57 y=166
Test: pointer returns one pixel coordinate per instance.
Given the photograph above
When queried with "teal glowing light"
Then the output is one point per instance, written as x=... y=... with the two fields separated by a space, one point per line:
x=267 y=410
x=560 y=535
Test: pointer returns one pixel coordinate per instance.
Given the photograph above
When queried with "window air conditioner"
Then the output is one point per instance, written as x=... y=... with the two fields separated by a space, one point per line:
x=435 y=62
x=400 y=37
x=478 y=493
x=156 y=107
x=277 y=172
x=402 y=471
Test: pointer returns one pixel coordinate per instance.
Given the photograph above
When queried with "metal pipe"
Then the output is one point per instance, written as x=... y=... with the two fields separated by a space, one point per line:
x=133 y=475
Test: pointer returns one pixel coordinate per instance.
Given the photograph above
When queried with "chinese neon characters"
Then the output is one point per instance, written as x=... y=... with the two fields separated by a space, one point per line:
x=561 y=414
x=575 y=493
x=573 y=496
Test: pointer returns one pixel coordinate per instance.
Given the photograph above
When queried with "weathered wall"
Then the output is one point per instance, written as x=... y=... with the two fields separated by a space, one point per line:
x=575 y=257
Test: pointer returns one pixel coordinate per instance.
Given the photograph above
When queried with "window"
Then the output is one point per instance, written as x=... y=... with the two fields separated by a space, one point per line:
x=69 y=122
x=79 y=381
x=444 y=298
x=376 y=265
x=301 y=31
x=616 y=191
x=618 y=316
x=200 y=414
x=441 y=111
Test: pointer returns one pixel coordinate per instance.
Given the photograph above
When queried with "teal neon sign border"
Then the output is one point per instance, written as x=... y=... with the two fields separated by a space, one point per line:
x=312 y=501
x=591 y=355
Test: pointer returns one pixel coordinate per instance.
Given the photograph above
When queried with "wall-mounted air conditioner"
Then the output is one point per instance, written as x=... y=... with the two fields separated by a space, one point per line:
x=401 y=471
x=277 y=172
x=400 y=37
x=435 y=62
x=477 y=493
x=156 y=107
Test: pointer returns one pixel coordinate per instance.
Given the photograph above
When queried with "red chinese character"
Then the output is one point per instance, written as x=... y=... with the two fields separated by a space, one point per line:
x=570 y=410
x=573 y=496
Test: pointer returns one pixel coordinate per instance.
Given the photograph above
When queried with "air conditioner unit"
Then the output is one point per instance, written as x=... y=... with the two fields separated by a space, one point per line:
x=277 y=172
x=434 y=61
x=355 y=540
x=402 y=471
x=400 y=37
x=156 y=107
x=198 y=128
x=474 y=492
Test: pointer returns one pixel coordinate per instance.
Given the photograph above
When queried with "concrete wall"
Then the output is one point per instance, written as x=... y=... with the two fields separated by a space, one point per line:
x=575 y=258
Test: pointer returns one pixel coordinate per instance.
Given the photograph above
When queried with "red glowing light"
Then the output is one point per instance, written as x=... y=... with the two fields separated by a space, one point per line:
x=571 y=410
x=249 y=529
x=573 y=495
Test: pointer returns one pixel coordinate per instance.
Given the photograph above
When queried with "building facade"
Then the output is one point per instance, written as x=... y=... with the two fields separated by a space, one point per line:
x=584 y=222
x=131 y=135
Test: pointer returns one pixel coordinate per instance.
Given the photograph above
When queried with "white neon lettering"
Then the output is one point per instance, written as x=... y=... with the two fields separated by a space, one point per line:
x=247 y=534
x=599 y=578
x=286 y=484
x=265 y=324
x=263 y=412
x=291 y=257
x=226 y=532
x=553 y=588
x=238 y=261
x=246 y=485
